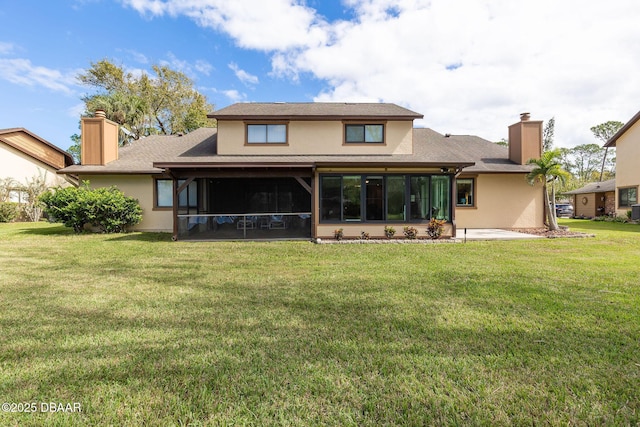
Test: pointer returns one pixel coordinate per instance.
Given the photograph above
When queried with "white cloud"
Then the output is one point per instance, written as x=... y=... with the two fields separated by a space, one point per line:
x=234 y=95
x=470 y=66
x=6 y=48
x=23 y=72
x=243 y=76
x=203 y=67
x=77 y=110
x=137 y=56
x=254 y=24
x=200 y=66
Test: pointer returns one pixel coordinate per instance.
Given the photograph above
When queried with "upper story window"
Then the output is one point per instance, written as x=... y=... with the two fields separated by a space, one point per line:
x=364 y=133
x=267 y=133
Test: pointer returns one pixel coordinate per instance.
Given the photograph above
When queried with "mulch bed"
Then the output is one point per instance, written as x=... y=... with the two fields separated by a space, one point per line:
x=545 y=232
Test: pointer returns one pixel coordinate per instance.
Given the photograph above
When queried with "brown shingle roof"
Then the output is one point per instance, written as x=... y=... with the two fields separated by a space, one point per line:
x=199 y=148
x=595 y=187
x=314 y=111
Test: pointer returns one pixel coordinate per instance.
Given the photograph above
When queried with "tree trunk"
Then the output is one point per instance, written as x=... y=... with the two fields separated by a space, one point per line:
x=551 y=218
x=604 y=159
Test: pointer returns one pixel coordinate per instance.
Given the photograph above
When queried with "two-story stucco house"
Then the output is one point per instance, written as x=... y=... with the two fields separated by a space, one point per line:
x=615 y=196
x=627 y=144
x=302 y=170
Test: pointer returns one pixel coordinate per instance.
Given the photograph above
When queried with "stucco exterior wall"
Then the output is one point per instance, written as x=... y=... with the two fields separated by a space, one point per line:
x=503 y=201
x=315 y=137
x=627 y=155
x=22 y=167
x=139 y=187
x=584 y=205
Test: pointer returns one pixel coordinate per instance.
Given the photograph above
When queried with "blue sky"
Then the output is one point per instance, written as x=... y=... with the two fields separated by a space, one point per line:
x=470 y=66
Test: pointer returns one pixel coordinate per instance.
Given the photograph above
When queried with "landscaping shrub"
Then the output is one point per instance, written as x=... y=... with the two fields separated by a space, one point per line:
x=435 y=228
x=410 y=232
x=106 y=208
x=8 y=211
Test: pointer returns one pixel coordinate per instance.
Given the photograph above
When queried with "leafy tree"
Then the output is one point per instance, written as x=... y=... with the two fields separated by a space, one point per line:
x=34 y=187
x=75 y=149
x=547 y=169
x=503 y=142
x=604 y=132
x=587 y=159
x=548 y=134
x=165 y=103
x=6 y=185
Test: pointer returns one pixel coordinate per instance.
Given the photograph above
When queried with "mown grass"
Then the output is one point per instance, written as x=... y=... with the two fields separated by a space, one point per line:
x=144 y=331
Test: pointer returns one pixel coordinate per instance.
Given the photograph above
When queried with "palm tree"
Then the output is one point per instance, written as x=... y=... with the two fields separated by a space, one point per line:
x=546 y=170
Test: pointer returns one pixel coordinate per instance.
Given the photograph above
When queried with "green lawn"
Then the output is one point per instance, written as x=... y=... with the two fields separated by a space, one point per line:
x=139 y=330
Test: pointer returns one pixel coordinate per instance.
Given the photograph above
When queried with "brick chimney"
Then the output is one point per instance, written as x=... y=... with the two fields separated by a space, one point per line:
x=99 y=140
x=525 y=140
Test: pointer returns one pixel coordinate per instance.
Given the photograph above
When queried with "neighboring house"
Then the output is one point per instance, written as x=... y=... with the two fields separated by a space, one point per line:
x=25 y=156
x=594 y=199
x=300 y=171
x=627 y=144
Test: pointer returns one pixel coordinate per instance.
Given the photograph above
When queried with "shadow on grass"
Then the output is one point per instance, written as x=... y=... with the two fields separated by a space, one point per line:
x=52 y=230
x=141 y=237
x=60 y=230
x=588 y=224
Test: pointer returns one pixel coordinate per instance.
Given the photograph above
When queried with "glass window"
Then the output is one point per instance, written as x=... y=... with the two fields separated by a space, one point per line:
x=627 y=197
x=266 y=134
x=355 y=133
x=440 y=197
x=464 y=192
x=395 y=198
x=351 y=189
x=419 y=194
x=18 y=196
x=330 y=198
x=385 y=198
x=164 y=194
x=364 y=133
x=375 y=198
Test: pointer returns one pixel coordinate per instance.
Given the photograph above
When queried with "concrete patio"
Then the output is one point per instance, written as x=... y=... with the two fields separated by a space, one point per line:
x=492 y=234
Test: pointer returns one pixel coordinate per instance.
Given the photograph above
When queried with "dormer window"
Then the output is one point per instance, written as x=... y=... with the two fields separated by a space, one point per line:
x=263 y=133
x=362 y=133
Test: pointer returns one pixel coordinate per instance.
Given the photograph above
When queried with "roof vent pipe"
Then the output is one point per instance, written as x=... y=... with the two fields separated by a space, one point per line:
x=100 y=113
x=525 y=117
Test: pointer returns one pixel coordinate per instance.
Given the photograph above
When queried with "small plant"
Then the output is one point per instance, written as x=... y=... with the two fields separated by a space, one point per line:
x=410 y=232
x=338 y=233
x=8 y=211
x=389 y=231
x=364 y=235
x=435 y=228
x=629 y=214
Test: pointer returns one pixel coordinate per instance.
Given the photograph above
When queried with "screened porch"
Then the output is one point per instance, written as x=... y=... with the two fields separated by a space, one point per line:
x=262 y=208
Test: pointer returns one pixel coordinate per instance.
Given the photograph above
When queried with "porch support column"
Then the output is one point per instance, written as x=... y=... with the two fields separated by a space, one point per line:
x=175 y=207
x=304 y=184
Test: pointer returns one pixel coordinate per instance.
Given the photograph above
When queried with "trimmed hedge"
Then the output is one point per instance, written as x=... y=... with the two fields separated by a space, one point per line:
x=105 y=208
